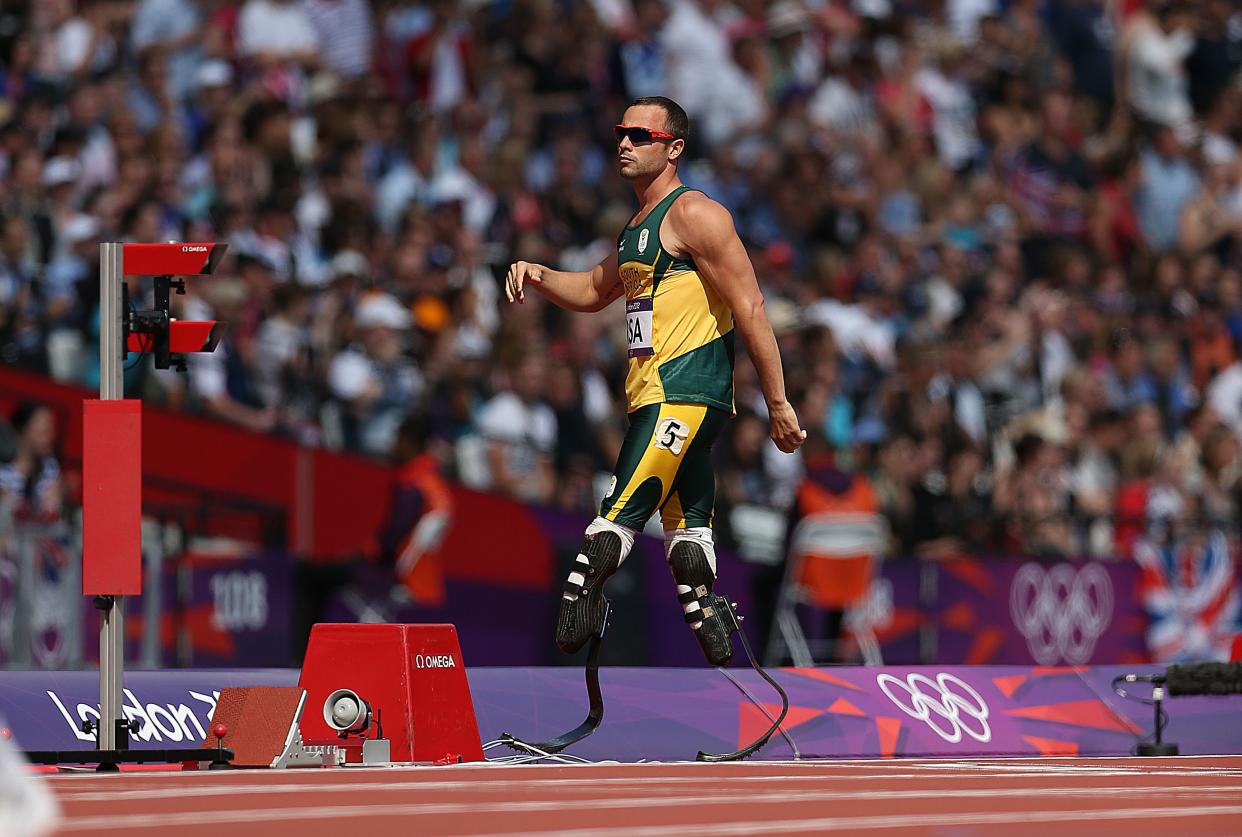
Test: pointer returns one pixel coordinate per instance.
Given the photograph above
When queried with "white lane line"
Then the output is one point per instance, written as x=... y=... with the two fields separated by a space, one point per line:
x=339 y=780
x=835 y=768
x=724 y=795
x=1086 y=770
x=823 y=824
x=558 y=788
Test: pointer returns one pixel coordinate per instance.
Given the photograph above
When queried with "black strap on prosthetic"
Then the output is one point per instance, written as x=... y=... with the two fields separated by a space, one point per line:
x=595 y=699
x=706 y=609
x=692 y=569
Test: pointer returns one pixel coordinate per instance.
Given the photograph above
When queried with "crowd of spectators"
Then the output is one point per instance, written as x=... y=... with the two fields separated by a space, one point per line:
x=1000 y=240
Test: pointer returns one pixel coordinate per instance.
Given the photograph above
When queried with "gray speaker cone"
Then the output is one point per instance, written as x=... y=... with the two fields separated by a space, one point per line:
x=345 y=711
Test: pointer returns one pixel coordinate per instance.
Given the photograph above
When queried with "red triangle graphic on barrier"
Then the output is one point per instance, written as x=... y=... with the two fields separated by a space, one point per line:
x=1051 y=746
x=959 y=617
x=970 y=571
x=841 y=706
x=821 y=675
x=889 y=729
x=752 y=723
x=1009 y=685
x=987 y=641
x=1082 y=713
x=903 y=622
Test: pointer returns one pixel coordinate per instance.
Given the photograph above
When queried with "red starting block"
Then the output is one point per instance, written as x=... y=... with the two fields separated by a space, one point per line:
x=413 y=679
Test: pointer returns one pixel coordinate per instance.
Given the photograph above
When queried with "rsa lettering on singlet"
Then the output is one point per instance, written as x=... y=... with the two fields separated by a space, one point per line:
x=638 y=310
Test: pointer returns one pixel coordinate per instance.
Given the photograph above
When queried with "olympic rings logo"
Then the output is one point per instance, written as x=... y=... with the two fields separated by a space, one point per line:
x=1062 y=611
x=947 y=704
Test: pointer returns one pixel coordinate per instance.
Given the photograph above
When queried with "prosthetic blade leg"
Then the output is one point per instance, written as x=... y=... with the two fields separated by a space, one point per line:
x=595 y=714
x=714 y=622
x=584 y=615
x=721 y=605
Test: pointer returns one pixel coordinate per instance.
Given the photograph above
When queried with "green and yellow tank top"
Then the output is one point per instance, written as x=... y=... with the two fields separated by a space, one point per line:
x=679 y=330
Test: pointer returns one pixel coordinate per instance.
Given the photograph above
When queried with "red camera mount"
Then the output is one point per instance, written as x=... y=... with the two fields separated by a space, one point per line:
x=156 y=330
x=112 y=448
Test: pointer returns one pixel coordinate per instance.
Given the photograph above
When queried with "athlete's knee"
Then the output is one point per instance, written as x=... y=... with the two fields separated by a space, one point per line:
x=700 y=536
x=623 y=533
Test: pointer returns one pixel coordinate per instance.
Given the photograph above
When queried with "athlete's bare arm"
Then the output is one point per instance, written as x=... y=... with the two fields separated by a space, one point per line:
x=577 y=291
x=699 y=226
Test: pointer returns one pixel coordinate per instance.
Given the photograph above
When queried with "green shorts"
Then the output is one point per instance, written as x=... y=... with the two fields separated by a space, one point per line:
x=665 y=463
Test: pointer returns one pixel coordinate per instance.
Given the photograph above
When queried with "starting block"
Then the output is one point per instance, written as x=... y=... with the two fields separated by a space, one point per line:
x=260 y=725
x=409 y=680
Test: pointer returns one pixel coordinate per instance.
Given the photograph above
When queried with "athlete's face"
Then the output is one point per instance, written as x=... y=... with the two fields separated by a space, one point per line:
x=645 y=158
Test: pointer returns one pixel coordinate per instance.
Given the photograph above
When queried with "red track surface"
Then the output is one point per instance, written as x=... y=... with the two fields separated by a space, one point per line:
x=1017 y=796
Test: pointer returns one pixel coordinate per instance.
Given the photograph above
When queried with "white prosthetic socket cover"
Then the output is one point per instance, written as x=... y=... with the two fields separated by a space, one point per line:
x=598 y=525
x=701 y=535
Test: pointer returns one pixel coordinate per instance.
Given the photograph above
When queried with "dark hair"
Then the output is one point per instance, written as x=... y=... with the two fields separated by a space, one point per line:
x=23 y=413
x=675 y=118
x=414 y=434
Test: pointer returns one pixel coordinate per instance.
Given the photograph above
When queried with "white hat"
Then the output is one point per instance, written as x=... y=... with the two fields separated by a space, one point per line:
x=81 y=228
x=214 y=72
x=783 y=315
x=381 y=310
x=350 y=263
x=1219 y=151
x=60 y=170
x=786 y=17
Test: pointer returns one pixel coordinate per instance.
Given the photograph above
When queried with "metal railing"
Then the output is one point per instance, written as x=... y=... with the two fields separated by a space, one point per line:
x=41 y=603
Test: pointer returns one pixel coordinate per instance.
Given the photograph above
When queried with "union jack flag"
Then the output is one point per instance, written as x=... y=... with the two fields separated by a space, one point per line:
x=1193 y=599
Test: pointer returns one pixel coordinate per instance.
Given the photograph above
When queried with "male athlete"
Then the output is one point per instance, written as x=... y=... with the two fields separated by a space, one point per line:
x=687 y=283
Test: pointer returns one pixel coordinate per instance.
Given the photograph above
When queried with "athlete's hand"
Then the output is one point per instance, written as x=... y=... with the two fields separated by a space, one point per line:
x=786 y=431
x=520 y=274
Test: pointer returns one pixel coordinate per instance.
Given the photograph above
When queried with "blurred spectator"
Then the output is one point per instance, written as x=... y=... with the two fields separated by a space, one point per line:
x=521 y=433
x=277 y=32
x=345 y=32
x=169 y=30
x=1168 y=182
x=829 y=504
x=439 y=59
x=419 y=516
x=953 y=513
x=1159 y=40
x=748 y=517
x=1048 y=176
x=30 y=484
x=1034 y=499
x=374 y=379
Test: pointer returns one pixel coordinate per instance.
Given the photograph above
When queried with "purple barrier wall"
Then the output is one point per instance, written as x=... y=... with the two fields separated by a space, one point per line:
x=1024 y=611
x=45 y=709
x=235 y=611
x=670 y=714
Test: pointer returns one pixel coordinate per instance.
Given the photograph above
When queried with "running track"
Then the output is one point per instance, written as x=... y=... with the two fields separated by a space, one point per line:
x=1019 y=796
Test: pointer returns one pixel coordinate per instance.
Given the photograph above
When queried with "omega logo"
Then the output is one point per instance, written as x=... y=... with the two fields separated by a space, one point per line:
x=434 y=661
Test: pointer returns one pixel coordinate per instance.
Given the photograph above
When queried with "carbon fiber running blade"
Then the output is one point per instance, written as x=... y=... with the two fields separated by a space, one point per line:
x=751 y=748
x=595 y=697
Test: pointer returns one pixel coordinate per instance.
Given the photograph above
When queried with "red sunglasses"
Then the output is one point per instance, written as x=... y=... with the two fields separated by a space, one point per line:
x=640 y=135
